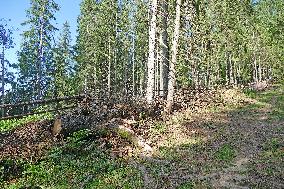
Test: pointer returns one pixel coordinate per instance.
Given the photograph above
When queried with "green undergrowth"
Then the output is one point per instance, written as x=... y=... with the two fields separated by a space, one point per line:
x=80 y=163
x=6 y=125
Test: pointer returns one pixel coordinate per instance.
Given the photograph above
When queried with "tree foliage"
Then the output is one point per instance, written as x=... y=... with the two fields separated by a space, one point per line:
x=35 y=57
x=128 y=48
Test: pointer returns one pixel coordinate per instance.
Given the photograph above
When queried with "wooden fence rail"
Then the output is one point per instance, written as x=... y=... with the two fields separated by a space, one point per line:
x=37 y=112
x=45 y=101
x=4 y=107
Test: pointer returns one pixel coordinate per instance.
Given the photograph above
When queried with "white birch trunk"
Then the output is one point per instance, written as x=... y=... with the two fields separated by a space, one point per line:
x=259 y=69
x=151 y=55
x=109 y=69
x=172 y=72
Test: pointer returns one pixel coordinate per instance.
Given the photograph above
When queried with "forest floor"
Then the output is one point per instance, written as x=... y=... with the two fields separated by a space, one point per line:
x=234 y=141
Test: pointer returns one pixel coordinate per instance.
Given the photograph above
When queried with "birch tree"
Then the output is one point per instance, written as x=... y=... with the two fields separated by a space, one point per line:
x=151 y=54
x=173 y=62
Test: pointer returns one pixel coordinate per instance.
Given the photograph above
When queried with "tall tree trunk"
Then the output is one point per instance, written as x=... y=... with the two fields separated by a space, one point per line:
x=141 y=83
x=151 y=55
x=172 y=72
x=194 y=75
x=231 y=69
x=259 y=69
x=208 y=73
x=157 y=70
x=239 y=74
x=39 y=64
x=164 y=49
x=109 y=69
x=235 y=73
x=115 y=53
x=3 y=77
x=40 y=61
x=255 y=68
x=255 y=73
x=133 y=67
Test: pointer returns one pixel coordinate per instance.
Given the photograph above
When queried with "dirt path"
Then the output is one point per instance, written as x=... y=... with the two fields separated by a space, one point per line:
x=250 y=131
x=248 y=128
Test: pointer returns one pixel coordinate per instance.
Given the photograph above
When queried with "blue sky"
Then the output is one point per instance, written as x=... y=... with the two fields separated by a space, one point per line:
x=16 y=11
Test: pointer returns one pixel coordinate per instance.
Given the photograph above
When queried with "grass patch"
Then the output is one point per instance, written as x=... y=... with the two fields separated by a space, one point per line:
x=269 y=163
x=158 y=127
x=250 y=93
x=168 y=153
x=125 y=135
x=272 y=144
x=177 y=149
x=194 y=185
x=273 y=98
x=186 y=185
x=225 y=153
x=273 y=148
x=79 y=136
x=7 y=125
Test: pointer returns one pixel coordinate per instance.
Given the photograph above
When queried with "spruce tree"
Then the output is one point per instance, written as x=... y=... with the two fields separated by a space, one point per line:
x=63 y=63
x=92 y=45
x=35 y=56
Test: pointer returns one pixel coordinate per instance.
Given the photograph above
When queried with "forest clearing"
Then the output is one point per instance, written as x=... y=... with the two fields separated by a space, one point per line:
x=150 y=94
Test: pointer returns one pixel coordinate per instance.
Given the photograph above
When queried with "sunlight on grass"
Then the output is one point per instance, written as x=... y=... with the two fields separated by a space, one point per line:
x=158 y=127
x=6 y=125
x=174 y=149
x=272 y=100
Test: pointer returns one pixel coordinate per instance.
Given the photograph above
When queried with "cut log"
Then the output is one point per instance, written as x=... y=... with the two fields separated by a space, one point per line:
x=57 y=127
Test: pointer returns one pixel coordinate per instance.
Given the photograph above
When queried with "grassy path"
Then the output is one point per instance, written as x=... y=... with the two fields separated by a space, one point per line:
x=257 y=132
